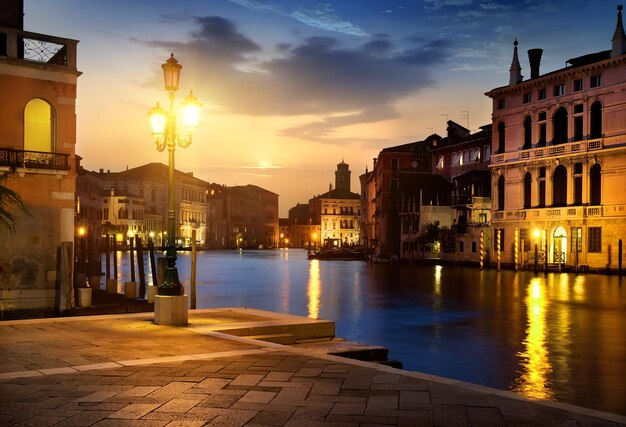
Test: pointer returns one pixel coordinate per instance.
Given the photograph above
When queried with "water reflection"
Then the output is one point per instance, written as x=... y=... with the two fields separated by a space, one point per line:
x=536 y=368
x=314 y=289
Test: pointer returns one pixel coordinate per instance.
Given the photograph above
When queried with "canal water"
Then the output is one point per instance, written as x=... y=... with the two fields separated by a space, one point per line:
x=558 y=336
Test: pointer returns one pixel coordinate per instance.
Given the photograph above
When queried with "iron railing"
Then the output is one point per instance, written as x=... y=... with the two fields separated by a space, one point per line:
x=23 y=159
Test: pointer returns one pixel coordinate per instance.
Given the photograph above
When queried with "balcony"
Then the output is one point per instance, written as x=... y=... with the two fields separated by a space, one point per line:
x=38 y=49
x=22 y=159
x=553 y=150
x=567 y=212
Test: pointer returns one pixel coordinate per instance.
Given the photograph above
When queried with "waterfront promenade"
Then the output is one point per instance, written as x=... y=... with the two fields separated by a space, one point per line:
x=123 y=370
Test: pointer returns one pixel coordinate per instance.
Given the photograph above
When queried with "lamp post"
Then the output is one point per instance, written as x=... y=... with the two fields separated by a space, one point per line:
x=169 y=131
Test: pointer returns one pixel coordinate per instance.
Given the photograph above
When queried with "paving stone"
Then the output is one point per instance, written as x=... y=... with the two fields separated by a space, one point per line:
x=213 y=383
x=220 y=400
x=133 y=411
x=37 y=421
x=309 y=372
x=326 y=387
x=480 y=416
x=83 y=418
x=382 y=402
x=271 y=418
x=278 y=376
x=361 y=419
x=292 y=394
x=408 y=396
x=171 y=390
x=233 y=418
x=348 y=409
x=304 y=414
x=178 y=405
x=97 y=396
x=450 y=415
x=258 y=397
x=246 y=380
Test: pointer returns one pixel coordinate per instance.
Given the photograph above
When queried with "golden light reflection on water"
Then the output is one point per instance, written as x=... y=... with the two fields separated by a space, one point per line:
x=536 y=368
x=314 y=289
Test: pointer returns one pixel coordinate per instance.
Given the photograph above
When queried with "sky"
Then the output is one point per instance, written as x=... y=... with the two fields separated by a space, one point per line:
x=290 y=88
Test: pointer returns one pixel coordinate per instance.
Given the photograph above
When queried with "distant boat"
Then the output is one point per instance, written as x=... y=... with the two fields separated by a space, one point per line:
x=343 y=254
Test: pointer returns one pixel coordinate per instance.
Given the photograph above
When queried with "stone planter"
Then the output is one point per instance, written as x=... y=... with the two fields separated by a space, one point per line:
x=84 y=297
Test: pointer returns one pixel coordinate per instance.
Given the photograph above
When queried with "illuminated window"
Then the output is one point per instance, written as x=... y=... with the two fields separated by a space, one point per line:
x=38 y=126
x=440 y=163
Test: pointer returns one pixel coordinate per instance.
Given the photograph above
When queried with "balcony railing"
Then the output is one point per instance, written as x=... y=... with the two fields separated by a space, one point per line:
x=554 y=150
x=567 y=212
x=37 y=48
x=22 y=159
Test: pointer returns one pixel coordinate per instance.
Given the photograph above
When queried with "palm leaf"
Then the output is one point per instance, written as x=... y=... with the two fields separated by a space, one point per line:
x=9 y=200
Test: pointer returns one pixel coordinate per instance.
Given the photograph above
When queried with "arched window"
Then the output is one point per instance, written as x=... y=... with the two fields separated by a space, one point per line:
x=542 y=187
x=39 y=126
x=528 y=133
x=595 y=185
x=466 y=157
x=475 y=155
x=527 y=190
x=501 y=193
x=487 y=152
x=559 y=123
x=440 y=162
x=595 y=128
x=501 y=137
x=559 y=186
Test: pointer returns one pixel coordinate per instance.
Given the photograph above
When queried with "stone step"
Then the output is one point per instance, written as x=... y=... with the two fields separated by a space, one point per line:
x=302 y=331
x=285 y=339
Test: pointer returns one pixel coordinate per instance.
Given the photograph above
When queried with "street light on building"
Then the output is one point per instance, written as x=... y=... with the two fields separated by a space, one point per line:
x=169 y=130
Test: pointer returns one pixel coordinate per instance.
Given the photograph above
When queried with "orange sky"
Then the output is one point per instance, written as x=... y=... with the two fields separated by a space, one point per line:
x=290 y=88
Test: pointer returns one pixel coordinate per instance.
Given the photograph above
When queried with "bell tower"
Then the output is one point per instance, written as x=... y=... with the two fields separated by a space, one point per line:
x=342 y=176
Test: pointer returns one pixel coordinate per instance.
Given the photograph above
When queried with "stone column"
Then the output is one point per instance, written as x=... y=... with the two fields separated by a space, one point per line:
x=585 y=190
x=549 y=200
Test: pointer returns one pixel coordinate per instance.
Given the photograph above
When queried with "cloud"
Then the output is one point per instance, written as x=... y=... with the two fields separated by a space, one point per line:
x=321 y=16
x=320 y=131
x=317 y=76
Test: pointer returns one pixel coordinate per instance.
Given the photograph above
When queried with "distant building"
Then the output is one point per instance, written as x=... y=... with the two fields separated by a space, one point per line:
x=403 y=196
x=248 y=218
x=559 y=162
x=89 y=202
x=150 y=183
x=463 y=158
x=38 y=79
x=123 y=214
x=299 y=228
x=337 y=212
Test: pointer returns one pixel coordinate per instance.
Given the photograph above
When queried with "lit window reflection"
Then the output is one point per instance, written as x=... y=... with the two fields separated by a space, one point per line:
x=314 y=289
x=534 y=379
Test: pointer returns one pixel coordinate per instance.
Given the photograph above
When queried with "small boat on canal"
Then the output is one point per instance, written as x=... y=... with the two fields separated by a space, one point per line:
x=344 y=254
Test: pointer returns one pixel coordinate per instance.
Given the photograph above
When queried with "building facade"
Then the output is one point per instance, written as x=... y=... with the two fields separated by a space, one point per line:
x=559 y=162
x=38 y=79
x=337 y=212
x=244 y=217
x=463 y=158
x=150 y=183
x=403 y=195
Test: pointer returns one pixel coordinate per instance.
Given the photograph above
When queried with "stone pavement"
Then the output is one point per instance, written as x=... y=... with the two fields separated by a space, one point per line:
x=125 y=371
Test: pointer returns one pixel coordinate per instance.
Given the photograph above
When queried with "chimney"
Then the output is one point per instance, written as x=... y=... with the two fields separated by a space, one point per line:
x=101 y=170
x=534 y=57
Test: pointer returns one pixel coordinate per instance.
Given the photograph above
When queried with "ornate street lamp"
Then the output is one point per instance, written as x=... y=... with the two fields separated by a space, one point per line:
x=170 y=130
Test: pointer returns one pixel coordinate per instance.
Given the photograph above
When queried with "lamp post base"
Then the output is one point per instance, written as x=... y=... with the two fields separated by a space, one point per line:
x=172 y=310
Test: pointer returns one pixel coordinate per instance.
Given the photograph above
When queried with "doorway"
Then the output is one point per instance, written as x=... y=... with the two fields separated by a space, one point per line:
x=559 y=246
